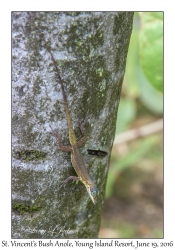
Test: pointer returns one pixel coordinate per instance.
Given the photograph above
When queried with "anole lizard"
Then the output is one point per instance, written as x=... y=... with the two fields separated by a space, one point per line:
x=76 y=157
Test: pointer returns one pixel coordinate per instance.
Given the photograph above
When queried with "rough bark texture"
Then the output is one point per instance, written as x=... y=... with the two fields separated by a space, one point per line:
x=91 y=50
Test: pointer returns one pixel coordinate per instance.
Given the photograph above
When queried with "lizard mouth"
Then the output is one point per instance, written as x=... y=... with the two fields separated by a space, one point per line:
x=93 y=193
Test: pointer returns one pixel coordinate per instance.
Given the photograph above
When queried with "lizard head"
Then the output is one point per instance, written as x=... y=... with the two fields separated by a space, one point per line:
x=93 y=192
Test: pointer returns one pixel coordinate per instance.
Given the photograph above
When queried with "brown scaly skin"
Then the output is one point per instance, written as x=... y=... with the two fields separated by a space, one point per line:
x=76 y=157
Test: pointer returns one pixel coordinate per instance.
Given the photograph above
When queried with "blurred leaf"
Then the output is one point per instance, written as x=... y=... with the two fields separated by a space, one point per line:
x=136 y=85
x=126 y=114
x=149 y=96
x=128 y=161
x=151 y=47
x=131 y=84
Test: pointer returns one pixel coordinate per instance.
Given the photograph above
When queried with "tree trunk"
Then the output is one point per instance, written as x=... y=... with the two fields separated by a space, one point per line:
x=90 y=49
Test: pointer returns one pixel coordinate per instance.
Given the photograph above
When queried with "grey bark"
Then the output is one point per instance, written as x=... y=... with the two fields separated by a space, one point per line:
x=91 y=50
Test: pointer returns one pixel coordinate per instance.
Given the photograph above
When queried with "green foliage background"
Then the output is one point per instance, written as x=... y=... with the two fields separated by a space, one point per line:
x=141 y=103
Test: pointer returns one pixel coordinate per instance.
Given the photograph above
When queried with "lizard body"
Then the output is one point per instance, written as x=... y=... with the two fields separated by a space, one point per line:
x=76 y=156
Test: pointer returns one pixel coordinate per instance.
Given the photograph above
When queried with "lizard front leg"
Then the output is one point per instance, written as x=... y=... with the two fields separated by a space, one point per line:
x=75 y=178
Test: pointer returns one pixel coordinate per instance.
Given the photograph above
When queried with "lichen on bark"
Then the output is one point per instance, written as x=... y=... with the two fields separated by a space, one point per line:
x=90 y=49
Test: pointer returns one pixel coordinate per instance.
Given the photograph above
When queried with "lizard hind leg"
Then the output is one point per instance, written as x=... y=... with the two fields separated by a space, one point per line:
x=60 y=146
x=75 y=178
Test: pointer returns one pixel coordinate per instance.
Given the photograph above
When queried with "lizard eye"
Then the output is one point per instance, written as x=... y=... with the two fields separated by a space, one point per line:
x=93 y=194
